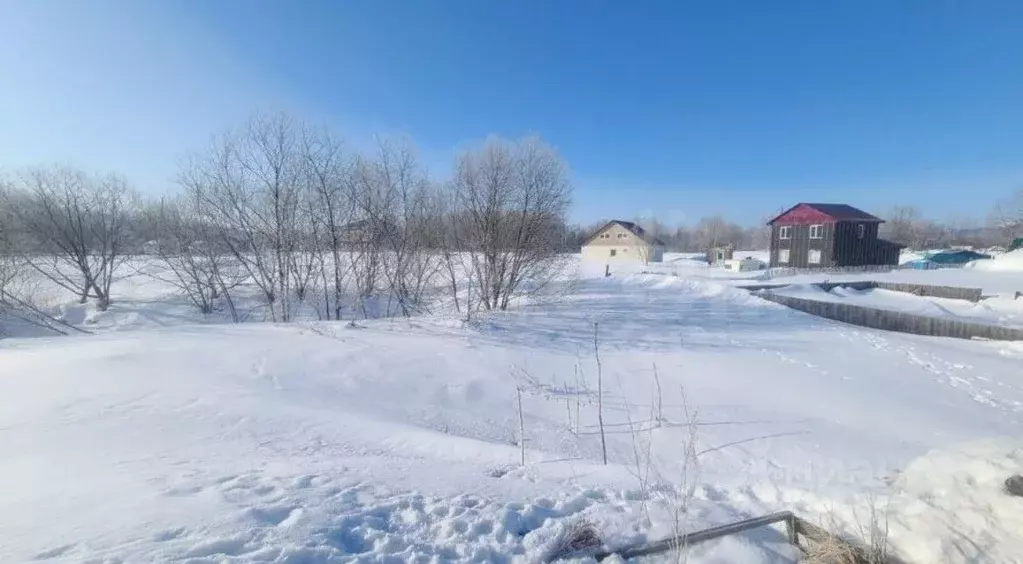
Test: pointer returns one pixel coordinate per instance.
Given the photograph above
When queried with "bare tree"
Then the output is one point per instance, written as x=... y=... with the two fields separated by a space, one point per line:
x=328 y=180
x=1007 y=216
x=512 y=198
x=249 y=188
x=18 y=303
x=902 y=225
x=455 y=261
x=76 y=227
x=409 y=225
x=365 y=235
x=196 y=264
x=715 y=231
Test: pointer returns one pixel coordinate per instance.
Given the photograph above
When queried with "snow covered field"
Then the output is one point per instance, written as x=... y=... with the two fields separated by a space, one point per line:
x=1002 y=276
x=163 y=439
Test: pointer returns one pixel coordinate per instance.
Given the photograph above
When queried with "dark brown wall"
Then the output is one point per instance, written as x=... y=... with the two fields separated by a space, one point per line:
x=840 y=246
x=850 y=250
x=800 y=244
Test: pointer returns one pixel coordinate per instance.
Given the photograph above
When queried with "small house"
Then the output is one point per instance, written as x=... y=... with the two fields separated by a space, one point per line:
x=622 y=241
x=829 y=235
x=718 y=255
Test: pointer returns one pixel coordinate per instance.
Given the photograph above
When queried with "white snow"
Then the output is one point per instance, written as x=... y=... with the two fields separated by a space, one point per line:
x=164 y=439
x=1002 y=276
x=995 y=311
x=1007 y=262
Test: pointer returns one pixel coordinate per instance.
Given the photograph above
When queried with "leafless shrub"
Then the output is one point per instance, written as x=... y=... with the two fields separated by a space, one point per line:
x=72 y=228
x=522 y=428
x=831 y=552
x=196 y=264
x=600 y=390
x=399 y=200
x=578 y=537
x=328 y=179
x=1007 y=216
x=248 y=188
x=868 y=543
x=18 y=302
x=510 y=202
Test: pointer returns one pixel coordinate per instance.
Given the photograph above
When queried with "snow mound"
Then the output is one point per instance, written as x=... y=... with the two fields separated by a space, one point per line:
x=952 y=507
x=1009 y=262
x=1001 y=310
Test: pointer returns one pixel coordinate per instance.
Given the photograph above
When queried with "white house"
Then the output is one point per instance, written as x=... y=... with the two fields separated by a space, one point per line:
x=623 y=241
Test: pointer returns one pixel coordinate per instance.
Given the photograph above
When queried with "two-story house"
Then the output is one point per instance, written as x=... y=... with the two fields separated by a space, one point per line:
x=827 y=235
x=619 y=241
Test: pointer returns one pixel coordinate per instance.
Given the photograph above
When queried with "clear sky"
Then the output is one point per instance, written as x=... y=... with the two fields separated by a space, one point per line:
x=671 y=108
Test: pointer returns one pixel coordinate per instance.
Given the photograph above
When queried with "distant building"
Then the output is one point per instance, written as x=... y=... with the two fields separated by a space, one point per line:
x=366 y=233
x=744 y=265
x=717 y=256
x=623 y=241
x=829 y=235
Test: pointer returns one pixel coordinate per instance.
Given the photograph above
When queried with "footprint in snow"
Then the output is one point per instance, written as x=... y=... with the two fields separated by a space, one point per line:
x=278 y=516
x=169 y=534
x=232 y=546
x=55 y=552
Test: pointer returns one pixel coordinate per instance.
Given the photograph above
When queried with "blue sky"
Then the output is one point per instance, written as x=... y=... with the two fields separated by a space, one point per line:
x=674 y=109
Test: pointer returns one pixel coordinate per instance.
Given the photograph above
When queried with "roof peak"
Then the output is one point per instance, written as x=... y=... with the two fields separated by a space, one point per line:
x=630 y=226
x=837 y=212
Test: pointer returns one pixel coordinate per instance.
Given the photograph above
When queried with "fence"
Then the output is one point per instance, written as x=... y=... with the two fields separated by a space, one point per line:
x=953 y=292
x=896 y=320
x=796 y=528
x=784 y=271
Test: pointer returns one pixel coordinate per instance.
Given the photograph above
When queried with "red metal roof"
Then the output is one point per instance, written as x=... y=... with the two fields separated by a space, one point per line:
x=804 y=213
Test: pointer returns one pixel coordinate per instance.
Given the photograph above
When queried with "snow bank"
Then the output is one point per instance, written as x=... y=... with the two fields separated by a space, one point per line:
x=996 y=311
x=1008 y=262
x=950 y=506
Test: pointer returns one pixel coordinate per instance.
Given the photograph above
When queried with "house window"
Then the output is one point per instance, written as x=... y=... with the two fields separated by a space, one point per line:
x=861 y=231
x=621 y=235
x=783 y=256
x=813 y=256
x=816 y=231
x=785 y=233
x=614 y=252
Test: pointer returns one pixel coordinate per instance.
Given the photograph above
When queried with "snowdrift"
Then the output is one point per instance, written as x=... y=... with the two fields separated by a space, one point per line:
x=399 y=440
x=1003 y=311
x=1008 y=262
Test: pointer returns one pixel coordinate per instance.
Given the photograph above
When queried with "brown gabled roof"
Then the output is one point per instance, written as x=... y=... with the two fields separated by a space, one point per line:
x=837 y=212
x=629 y=226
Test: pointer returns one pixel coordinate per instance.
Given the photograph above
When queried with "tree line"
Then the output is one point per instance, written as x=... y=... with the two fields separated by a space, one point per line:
x=904 y=224
x=285 y=211
x=709 y=232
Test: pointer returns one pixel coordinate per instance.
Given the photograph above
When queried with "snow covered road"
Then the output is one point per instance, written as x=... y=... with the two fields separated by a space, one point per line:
x=397 y=440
